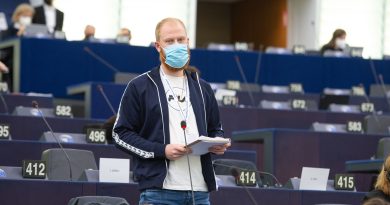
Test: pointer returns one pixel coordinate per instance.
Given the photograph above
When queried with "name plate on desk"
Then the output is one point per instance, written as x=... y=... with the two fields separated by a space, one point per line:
x=296 y=88
x=5 y=131
x=96 y=135
x=355 y=126
x=344 y=182
x=314 y=179
x=358 y=91
x=233 y=85
x=246 y=178
x=367 y=107
x=230 y=100
x=297 y=104
x=114 y=170
x=63 y=111
x=34 y=169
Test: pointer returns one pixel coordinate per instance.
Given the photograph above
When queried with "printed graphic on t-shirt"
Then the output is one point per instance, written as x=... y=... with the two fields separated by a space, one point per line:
x=181 y=95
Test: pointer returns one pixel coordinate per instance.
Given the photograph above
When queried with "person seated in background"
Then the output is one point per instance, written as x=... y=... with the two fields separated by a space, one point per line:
x=21 y=18
x=376 y=201
x=337 y=43
x=124 y=36
x=89 y=33
x=48 y=15
x=382 y=186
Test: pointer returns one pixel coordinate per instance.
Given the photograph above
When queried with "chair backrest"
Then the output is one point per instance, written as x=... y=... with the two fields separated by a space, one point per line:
x=11 y=172
x=377 y=90
x=276 y=105
x=97 y=200
x=220 y=47
x=327 y=127
x=64 y=137
x=274 y=89
x=344 y=108
x=377 y=124
x=330 y=53
x=336 y=91
x=225 y=167
x=37 y=30
x=58 y=166
x=277 y=50
x=312 y=105
x=250 y=87
x=124 y=78
x=383 y=149
x=30 y=111
x=225 y=180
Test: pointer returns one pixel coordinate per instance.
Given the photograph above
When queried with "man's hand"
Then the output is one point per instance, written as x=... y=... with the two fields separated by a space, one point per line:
x=175 y=151
x=219 y=149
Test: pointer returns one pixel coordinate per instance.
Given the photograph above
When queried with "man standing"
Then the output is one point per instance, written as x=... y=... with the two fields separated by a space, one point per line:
x=158 y=111
x=48 y=15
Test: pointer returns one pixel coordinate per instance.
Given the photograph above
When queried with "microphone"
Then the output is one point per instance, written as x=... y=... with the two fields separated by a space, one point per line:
x=259 y=58
x=101 y=60
x=101 y=90
x=239 y=66
x=374 y=113
x=373 y=70
x=384 y=90
x=4 y=103
x=35 y=105
x=183 y=125
x=236 y=174
x=277 y=184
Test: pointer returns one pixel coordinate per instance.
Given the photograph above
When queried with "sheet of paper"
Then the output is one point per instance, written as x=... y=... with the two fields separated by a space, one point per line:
x=114 y=170
x=202 y=144
x=314 y=178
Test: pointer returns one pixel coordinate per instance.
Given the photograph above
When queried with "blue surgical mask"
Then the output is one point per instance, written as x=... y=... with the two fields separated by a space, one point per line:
x=176 y=55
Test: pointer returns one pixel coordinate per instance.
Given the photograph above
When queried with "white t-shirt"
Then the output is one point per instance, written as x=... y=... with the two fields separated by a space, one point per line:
x=50 y=15
x=178 y=175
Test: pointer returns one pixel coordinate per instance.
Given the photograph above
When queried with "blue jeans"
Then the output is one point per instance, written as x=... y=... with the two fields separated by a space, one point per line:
x=172 y=197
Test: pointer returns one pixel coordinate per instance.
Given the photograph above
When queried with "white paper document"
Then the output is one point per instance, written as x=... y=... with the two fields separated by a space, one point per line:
x=314 y=178
x=114 y=170
x=202 y=144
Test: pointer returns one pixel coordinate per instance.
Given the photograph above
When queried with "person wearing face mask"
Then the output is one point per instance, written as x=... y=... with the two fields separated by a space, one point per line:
x=124 y=36
x=89 y=33
x=382 y=185
x=337 y=43
x=154 y=109
x=21 y=18
x=48 y=15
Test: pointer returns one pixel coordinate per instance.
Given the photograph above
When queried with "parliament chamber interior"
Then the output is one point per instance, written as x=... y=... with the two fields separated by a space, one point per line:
x=310 y=127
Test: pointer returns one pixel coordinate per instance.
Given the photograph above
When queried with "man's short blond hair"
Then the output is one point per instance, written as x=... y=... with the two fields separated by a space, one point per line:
x=166 y=20
x=20 y=9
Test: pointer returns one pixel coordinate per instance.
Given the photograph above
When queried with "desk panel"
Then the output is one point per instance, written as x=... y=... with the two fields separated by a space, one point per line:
x=13 y=100
x=285 y=151
x=66 y=63
x=60 y=192
x=32 y=127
